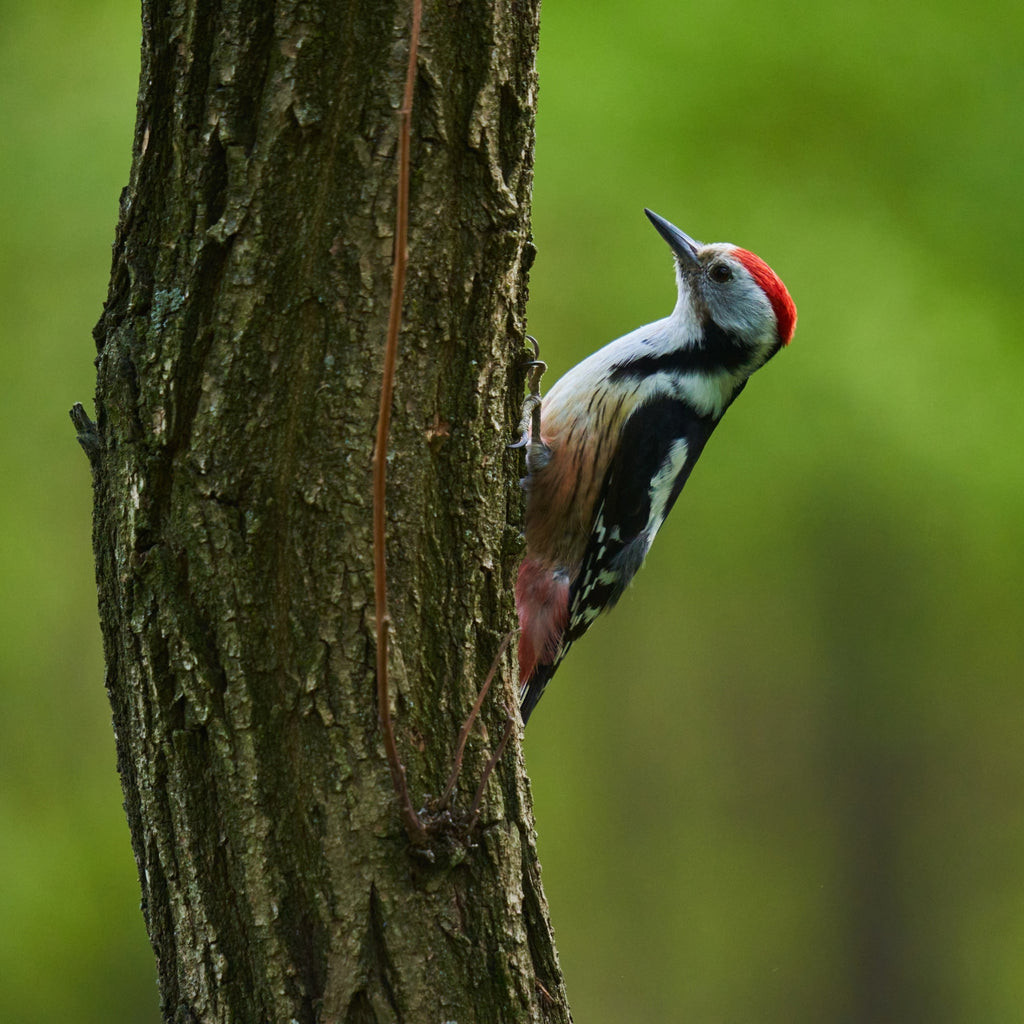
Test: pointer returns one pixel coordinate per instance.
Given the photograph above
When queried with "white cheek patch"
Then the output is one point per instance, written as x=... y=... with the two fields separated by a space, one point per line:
x=743 y=308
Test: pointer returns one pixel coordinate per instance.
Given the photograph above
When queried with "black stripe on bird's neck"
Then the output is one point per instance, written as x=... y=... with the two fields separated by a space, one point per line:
x=718 y=350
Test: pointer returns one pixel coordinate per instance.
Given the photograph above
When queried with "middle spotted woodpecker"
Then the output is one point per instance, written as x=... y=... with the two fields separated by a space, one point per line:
x=619 y=434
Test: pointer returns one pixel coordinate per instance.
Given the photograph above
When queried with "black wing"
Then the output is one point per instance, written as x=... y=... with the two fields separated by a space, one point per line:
x=659 y=445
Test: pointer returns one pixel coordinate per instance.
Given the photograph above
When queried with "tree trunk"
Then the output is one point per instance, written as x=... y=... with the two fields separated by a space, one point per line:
x=239 y=374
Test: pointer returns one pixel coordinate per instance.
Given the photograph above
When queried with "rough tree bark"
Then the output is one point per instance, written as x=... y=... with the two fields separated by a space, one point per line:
x=239 y=372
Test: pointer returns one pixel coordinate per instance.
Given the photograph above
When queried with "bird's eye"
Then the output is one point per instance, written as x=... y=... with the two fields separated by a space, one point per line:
x=720 y=272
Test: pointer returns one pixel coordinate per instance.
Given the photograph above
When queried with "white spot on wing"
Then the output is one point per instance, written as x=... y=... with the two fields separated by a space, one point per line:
x=661 y=487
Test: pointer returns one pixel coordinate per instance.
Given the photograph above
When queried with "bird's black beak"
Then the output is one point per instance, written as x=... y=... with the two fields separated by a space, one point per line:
x=680 y=242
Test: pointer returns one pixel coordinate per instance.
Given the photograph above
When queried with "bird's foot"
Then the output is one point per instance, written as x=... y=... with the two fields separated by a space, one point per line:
x=529 y=423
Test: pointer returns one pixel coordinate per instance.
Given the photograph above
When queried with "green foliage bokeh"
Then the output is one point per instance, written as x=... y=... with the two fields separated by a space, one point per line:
x=783 y=781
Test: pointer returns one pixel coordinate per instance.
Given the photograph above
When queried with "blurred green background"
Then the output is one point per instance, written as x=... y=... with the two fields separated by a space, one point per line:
x=784 y=782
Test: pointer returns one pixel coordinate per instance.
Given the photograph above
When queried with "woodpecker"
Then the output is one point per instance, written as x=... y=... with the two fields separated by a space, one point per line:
x=610 y=447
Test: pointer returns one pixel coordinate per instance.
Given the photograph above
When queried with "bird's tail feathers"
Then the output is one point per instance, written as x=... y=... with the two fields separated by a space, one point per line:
x=532 y=690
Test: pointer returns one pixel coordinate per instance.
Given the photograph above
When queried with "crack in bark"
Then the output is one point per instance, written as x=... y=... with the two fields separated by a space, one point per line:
x=381 y=967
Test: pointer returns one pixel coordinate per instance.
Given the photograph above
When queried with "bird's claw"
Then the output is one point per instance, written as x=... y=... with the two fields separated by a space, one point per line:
x=531 y=414
x=529 y=423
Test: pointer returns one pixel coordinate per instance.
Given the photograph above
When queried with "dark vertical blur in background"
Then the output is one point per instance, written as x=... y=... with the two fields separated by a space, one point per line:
x=784 y=781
